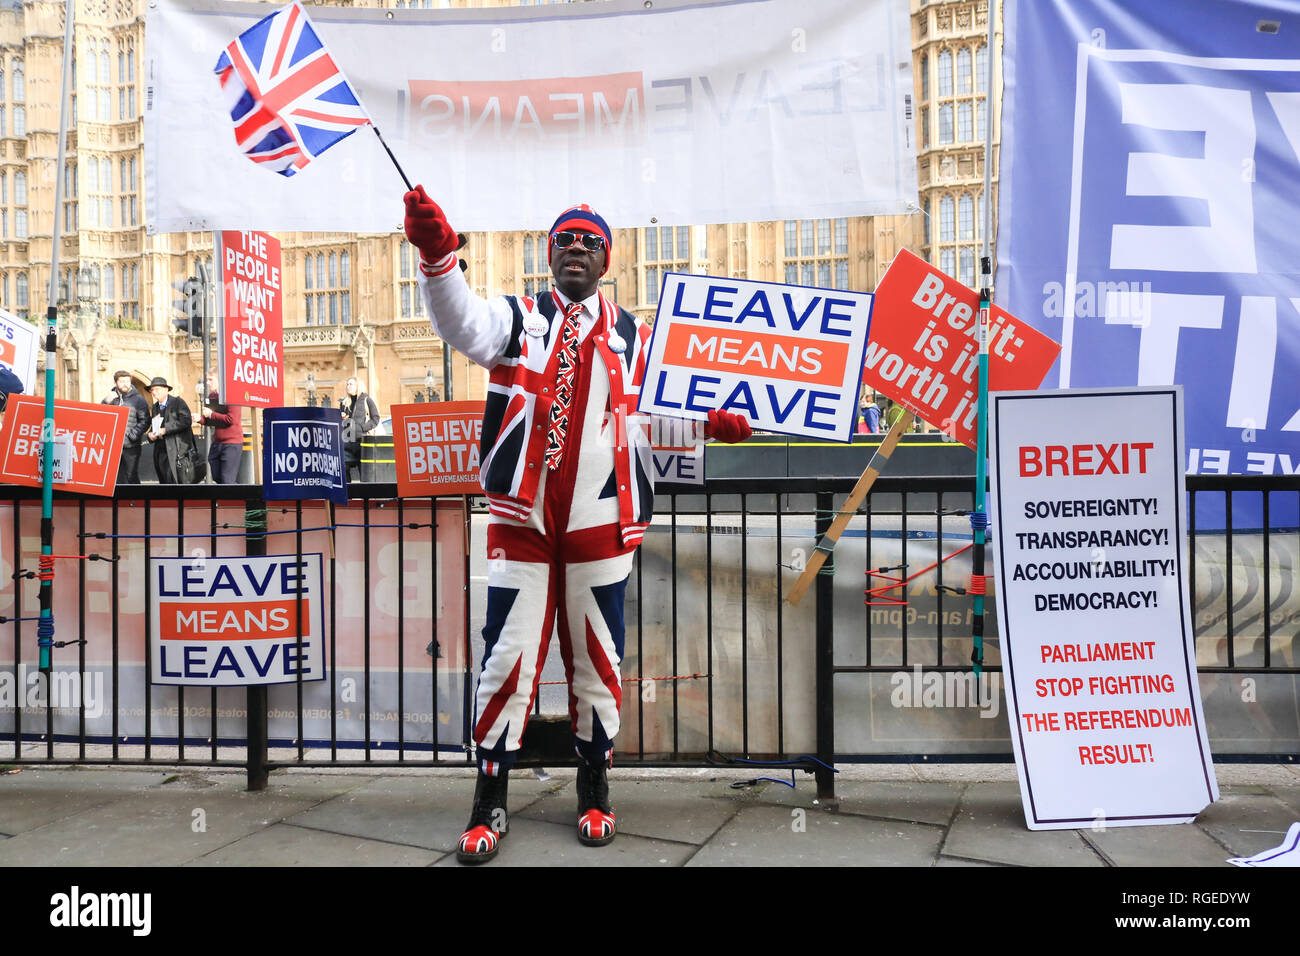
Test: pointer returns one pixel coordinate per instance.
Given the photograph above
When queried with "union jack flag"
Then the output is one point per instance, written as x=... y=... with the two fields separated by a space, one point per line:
x=288 y=99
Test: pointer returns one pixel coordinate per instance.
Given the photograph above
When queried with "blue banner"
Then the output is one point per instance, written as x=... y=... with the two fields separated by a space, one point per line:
x=1149 y=215
x=302 y=454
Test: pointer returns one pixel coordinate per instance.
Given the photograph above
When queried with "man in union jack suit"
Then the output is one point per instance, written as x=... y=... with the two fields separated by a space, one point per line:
x=570 y=490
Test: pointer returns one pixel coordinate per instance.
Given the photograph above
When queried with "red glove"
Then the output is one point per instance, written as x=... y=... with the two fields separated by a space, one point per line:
x=427 y=228
x=727 y=427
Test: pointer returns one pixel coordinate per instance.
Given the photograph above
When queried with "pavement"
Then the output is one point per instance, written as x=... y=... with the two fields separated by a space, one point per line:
x=898 y=815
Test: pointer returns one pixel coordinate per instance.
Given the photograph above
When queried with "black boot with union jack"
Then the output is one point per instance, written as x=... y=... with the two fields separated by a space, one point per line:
x=595 y=818
x=488 y=822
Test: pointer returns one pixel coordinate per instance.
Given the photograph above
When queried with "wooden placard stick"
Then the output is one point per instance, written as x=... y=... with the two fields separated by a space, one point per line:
x=859 y=492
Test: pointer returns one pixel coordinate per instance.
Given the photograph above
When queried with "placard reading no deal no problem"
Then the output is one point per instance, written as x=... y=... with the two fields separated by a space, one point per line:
x=1090 y=551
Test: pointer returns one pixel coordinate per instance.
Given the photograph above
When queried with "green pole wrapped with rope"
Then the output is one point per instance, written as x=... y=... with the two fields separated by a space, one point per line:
x=45 y=624
x=979 y=519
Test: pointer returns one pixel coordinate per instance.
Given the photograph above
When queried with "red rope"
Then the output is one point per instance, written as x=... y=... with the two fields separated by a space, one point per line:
x=628 y=680
x=899 y=582
x=977 y=585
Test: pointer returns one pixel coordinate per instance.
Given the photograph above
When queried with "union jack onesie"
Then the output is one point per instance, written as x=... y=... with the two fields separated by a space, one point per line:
x=560 y=543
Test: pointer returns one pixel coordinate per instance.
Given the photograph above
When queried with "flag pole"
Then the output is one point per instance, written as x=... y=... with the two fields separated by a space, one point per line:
x=979 y=517
x=401 y=172
x=45 y=625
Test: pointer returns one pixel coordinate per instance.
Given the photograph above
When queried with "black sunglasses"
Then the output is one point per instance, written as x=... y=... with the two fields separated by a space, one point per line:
x=590 y=241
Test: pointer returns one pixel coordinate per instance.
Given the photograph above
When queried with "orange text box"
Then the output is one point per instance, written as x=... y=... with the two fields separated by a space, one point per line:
x=230 y=621
x=756 y=353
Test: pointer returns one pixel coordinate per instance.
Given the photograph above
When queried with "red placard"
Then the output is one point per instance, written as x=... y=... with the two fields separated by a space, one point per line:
x=436 y=446
x=924 y=349
x=252 y=347
x=94 y=432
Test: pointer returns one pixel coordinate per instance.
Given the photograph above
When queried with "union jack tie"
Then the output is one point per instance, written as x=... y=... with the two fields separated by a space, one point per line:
x=568 y=358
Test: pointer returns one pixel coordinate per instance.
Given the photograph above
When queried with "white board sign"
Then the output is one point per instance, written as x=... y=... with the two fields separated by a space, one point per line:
x=686 y=111
x=19 y=343
x=788 y=358
x=1090 y=551
x=224 y=622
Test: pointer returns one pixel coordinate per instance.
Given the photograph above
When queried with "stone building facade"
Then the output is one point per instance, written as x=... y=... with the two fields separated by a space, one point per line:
x=351 y=306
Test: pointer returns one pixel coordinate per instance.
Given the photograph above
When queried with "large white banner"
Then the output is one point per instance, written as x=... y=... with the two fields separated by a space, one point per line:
x=679 y=111
x=1090 y=547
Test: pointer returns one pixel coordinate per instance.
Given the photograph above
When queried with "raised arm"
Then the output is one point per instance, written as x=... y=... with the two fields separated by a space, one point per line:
x=475 y=327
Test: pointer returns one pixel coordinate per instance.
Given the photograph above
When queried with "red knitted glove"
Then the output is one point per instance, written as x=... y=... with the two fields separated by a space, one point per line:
x=427 y=228
x=726 y=427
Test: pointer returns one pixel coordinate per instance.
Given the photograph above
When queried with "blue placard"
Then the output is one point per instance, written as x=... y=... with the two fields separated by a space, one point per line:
x=302 y=454
x=1148 y=209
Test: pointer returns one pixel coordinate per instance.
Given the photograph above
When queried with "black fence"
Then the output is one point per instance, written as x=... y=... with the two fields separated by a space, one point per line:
x=718 y=666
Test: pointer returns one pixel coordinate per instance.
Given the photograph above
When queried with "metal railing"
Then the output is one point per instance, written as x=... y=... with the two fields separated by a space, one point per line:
x=717 y=665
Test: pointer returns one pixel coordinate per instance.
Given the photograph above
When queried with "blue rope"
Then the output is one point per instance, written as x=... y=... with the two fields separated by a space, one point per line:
x=979 y=520
x=207 y=534
x=6 y=620
x=45 y=632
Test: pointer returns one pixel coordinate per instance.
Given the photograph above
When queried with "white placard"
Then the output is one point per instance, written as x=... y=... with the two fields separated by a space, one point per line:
x=1090 y=551
x=678 y=111
x=226 y=622
x=19 y=343
x=788 y=358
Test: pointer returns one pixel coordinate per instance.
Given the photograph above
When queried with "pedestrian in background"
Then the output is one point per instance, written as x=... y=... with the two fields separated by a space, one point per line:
x=171 y=431
x=869 y=419
x=226 y=445
x=137 y=423
x=360 y=416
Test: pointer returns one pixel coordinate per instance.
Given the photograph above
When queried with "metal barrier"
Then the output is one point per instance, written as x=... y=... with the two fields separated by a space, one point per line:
x=717 y=666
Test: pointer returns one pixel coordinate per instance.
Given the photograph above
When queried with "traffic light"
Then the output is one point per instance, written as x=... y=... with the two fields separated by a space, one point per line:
x=192 y=306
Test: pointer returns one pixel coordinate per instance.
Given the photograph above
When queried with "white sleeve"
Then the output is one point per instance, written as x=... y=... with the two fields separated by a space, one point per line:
x=477 y=328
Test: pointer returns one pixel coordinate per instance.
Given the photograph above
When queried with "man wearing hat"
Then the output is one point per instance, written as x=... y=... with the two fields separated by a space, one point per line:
x=569 y=482
x=172 y=435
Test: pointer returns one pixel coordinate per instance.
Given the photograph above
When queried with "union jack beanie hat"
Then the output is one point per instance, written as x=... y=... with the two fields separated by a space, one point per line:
x=584 y=217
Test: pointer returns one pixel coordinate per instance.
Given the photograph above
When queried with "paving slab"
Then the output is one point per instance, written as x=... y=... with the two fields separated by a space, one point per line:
x=915 y=800
x=317 y=786
x=1246 y=823
x=946 y=862
x=37 y=797
x=1268 y=774
x=421 y=811
x=538 y=843
x=286 y=845
x=154 y=827
x=1291 y=797
x=965 y=772
x=1178 y=844
x=990 y=825
x=678 y=810
x=778 y=836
